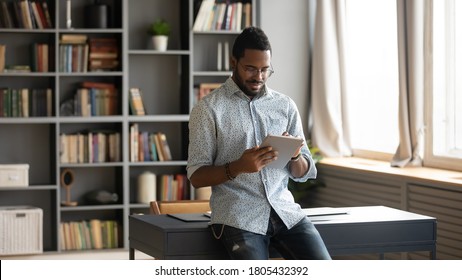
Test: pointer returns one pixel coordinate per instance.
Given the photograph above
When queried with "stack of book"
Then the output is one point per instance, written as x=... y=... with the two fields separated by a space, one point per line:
x=104 y=54
x=39 y=57
x=96 y=99
x=28 y=14
x=173 y=187
x=90 y=147
x=24 y=102
x=88 y=235
x=73 y=53
x=148 y=146
x=223 y=15
x=203 y=89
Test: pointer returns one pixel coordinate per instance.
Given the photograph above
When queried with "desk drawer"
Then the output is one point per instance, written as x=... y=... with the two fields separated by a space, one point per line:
x=379 y=233
x=194 y=243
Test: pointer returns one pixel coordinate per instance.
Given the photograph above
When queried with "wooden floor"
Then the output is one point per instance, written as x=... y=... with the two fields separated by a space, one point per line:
x=86 y=255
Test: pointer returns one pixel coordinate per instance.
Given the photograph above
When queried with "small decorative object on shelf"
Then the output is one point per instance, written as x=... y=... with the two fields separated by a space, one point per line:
x=146 y=187
x=68 y=14
x=159 y=30
x=97 y=15
x=101 y=197
x=67 y=178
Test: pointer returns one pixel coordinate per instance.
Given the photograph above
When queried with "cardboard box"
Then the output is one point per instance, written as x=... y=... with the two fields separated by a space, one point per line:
x=14 y=175
x=21 y=230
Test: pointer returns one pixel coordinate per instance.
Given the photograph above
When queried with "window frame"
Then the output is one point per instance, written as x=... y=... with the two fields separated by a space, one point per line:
x=448 y=161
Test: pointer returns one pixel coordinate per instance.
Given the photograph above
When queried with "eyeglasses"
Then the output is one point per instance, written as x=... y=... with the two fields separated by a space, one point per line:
x=252 y=71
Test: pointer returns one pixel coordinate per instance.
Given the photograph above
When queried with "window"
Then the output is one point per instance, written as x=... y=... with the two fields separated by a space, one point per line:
x=373 y=85
x=372 y=77
x=444 y=100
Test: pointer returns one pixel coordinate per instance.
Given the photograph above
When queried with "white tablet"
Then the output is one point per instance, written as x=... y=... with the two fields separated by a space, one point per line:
x=286 y=147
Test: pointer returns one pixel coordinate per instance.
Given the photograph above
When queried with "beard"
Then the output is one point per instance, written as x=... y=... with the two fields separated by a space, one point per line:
x=250 y=87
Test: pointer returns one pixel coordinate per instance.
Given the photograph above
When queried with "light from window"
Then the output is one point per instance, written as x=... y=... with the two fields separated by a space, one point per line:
x=372 y=75
x=446 y=110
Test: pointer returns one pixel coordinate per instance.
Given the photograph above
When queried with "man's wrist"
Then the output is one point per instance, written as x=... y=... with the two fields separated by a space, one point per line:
x=295 y=158
x=228 y=172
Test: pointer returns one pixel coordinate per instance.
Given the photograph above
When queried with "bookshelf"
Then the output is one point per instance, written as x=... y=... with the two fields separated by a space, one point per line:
x=166 y=79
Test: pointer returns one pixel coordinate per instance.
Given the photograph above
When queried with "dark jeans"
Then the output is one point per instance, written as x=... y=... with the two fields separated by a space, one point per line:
x=301 y=242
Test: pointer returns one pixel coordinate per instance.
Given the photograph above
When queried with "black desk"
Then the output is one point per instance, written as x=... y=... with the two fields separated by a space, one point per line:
x=369 y=229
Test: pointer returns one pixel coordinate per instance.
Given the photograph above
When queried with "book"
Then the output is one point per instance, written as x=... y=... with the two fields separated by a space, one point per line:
x=103 y=63
x=220 y=16
x=164 y=146
x=103 y=54
x=238 y=22
x=7 y=20
x=36 y=15
x=160 y=152
x=136 y=102
x=47 y=13
x=17 y=68
x=26 y=14
x=226 y=56
x=41 y=13
x=248 y=14
x=219 y=56
x=73 y=39
x=205 y=89
x=25 y=102
x=152 y=147
x=103 y=98
x=2 y=57
x=16 y=11
x=96 y=234
x=203 y=15
x=99 y=85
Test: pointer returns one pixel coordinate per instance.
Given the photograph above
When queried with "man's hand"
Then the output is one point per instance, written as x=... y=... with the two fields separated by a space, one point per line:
x=299 y=149
x=254 y=159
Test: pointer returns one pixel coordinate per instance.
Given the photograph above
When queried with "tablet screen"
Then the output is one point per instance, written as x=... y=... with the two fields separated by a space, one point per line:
x=286 y=147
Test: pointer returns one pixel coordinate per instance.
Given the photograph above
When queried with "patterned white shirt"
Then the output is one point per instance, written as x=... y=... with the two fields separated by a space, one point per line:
x=224 y=124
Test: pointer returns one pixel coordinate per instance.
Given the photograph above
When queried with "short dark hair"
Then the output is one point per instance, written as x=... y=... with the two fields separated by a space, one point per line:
x=250 y=38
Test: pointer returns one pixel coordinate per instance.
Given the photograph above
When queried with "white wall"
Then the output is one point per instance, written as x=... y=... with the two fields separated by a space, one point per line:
x=286 y=24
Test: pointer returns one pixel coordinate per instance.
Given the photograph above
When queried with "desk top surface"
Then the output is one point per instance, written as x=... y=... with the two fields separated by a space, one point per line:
x=363 y=214
x=321 y=216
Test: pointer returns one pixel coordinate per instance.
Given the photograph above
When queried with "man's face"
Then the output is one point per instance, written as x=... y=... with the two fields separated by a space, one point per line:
x=251 y=71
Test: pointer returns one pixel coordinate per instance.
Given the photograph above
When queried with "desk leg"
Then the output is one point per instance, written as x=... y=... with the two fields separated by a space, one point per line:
x=131 y=253
x=433 y=254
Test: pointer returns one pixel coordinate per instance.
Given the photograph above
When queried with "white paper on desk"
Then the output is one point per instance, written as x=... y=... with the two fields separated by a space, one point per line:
x=324 y=211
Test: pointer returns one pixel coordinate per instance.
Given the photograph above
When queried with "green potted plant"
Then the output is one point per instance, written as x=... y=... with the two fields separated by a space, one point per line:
x=159 y=30
x=301 y=191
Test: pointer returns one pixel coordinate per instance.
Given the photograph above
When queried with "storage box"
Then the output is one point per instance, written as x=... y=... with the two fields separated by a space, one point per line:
x=21 y=230
x=14 y=175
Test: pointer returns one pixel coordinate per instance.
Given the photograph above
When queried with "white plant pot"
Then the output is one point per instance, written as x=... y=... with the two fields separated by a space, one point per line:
x=160 y=42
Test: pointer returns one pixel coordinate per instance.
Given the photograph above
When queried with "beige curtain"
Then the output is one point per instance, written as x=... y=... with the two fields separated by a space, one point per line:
x=411 y=82
x=329 y=130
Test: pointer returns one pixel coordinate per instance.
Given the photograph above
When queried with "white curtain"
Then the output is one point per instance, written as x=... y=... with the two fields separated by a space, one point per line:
x=411 y=82
x=329 y=130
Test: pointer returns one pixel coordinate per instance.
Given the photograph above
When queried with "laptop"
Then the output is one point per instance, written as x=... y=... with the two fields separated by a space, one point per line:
x=324 y=211
x=191 y=217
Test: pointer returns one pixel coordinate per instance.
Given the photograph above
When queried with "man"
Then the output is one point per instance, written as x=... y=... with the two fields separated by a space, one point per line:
x=251 y=204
